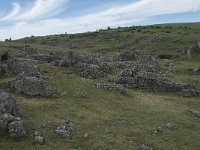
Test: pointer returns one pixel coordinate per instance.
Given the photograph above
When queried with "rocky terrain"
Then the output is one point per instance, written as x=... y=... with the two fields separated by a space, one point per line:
x=126 y=88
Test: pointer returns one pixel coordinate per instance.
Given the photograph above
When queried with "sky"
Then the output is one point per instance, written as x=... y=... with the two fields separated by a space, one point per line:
x=23 y=18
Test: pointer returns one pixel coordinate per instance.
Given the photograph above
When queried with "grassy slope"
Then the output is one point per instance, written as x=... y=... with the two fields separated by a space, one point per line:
x=112 y=121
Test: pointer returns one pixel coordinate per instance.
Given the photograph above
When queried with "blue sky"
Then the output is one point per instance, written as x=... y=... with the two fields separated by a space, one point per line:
x=22 y=18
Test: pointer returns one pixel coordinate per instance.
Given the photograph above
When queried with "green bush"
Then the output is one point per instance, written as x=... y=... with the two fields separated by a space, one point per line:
x=165 y=56
x=5 y=56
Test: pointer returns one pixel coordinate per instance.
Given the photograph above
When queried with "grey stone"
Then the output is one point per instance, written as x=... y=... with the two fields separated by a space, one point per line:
x=144 y=147
x=197 y=70
x=39 y=139
x=8 y=104
x=112 y=87
x=26 y=66
x=190 y=93
x=5 y=119
x=80 y=95
x=157 y=130
x=171 y=126
x=89 y=71
x=193 y=51
x=16 y=129
x=34 y=86
x=27 y=51
x=65 y=130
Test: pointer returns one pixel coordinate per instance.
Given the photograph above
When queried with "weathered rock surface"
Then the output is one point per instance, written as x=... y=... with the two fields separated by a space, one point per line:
x=8 y=104
x=113 y=87
x=89 y=71
x=34 y=86
x=39 y=139
x=144 y=147
x=25 y=66
x=171 y=126
x=80 y=95
x=190 y=93
x=65 y=130
x=28 y=51
x=16 y=129
x=9 y=116
x=197 y=70
x=193 y=51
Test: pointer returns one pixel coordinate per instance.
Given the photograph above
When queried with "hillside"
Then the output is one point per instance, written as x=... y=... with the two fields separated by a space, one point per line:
x=126 y=88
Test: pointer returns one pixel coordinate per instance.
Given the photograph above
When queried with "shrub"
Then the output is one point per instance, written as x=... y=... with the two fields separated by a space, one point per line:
x=5 y=56
x=165 y=56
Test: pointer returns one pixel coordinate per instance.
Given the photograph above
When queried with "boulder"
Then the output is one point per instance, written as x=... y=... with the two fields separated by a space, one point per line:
x=65 y=129
x=16 y=129
x=112 y=87
x=144 y=147
x=34 y=86
x=171 y=126
x=8 y=104
x=80 y=95
x=25 y=66
x=136 y=78
x=5 y=119
x=193 y=51
x=39 y=139
x=197 y=70
x=28 y=51
x=190 y=93
x=89 y=71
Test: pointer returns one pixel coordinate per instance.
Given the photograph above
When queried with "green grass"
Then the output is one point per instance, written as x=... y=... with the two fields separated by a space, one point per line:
x=111 y=120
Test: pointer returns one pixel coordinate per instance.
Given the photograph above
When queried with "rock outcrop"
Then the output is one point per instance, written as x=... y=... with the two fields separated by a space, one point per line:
x=26 y=66
x=9 y=116
x=193 y=51
x=8 y=104
x=28 y=51
x=112 y=87
x=33 y=86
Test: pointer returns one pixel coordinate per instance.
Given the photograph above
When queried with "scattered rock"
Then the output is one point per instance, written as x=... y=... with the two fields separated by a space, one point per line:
x=144 y=147
x=65 y=130
x=193 y=51
x=112 y=87
x=16 y=129
x=157 y=130
x=190 y=93
x=34 y=86
x=25 y=66
x=89 y=71
x=171 y=126
x=5 y=119
x=8 y=104
x=39 y=139
x=28 y=51
x=81 y=95
x=197 y=70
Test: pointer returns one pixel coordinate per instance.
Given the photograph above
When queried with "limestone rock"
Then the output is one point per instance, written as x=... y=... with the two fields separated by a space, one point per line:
x=16 y=129
x=197 y=70
x=8 y=104
x=65 y=130
x=39 y=139
x=34 y=86
x=27 y=51
x=112 y=87
x=25 y=66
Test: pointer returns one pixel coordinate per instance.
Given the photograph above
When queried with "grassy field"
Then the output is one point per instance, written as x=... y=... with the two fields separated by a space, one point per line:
x=110 y=120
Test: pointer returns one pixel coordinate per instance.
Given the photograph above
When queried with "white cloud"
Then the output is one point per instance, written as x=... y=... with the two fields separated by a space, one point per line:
x=40 y=9
x=115 y=16
x=13 y=13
